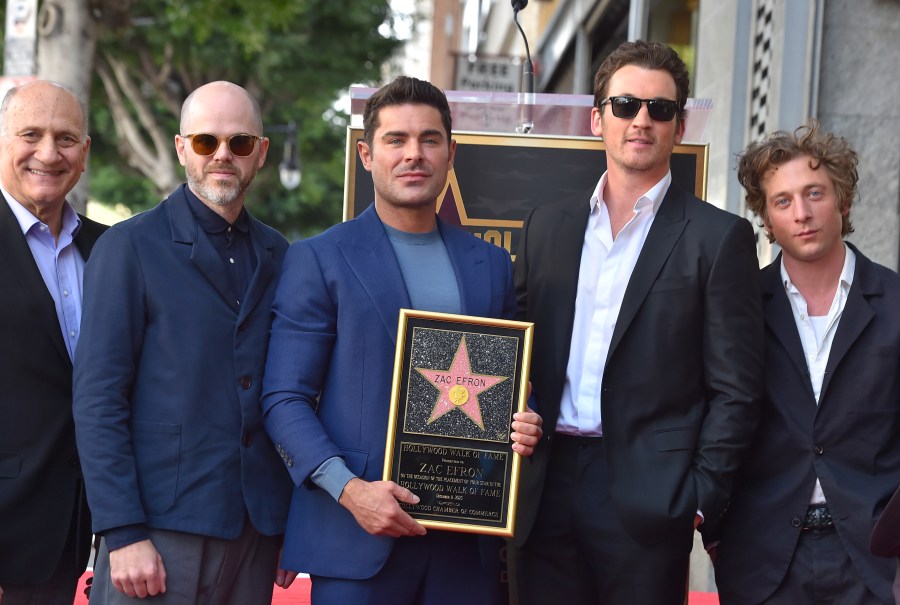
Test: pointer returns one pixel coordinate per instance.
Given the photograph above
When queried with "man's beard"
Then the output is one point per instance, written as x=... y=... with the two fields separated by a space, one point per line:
x=219 y=194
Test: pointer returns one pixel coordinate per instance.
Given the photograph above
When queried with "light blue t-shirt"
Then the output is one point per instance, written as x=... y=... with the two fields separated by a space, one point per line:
x=427 y=271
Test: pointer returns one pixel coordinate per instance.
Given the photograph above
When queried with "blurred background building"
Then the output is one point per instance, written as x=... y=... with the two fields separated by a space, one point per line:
x=766 y=64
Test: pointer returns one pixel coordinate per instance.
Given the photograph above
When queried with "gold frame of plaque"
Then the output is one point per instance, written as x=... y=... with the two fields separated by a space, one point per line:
x=457 y=382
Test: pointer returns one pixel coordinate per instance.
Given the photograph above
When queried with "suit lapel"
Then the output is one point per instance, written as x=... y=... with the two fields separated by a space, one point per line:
x=262 y=248
x=186 y=230
x=470 y=270
x=371 y=257
x=569 y=242
x=667 y=227
x=780 y=323
x=855 y=317
x=87 y=236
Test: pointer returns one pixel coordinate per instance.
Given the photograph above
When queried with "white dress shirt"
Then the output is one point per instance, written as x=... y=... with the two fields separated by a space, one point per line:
x=606 y=267
x=817 y=333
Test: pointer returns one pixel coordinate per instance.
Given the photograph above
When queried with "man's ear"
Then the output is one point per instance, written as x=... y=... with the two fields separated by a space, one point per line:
x=679 y=134
x=597 y=122
x=365 y=154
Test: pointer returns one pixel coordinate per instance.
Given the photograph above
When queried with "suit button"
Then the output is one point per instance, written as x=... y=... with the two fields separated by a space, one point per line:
x=245 y=382
x=245 y=439
x=796 y=522
x=818 y=449
x=242 y=327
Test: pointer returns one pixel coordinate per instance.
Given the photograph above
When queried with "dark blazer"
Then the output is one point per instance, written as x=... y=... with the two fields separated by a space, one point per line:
x=329 y=369
x=851 y=440
x=682 y=378
x=40 y=477
x=168 y=377
x=885 y=540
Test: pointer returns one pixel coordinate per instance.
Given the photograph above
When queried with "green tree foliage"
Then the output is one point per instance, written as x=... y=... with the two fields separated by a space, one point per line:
x=295 y=56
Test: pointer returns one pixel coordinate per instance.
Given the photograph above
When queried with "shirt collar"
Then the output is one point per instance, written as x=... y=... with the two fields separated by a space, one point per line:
x=846 y=277
x=652 y=198
x=71 y=222
x=211 y=222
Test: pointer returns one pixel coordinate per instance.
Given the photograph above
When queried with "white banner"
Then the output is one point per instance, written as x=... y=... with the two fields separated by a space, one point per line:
x=21 y=36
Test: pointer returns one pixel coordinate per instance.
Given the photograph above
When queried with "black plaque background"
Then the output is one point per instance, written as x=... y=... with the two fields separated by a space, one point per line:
x=489 y=452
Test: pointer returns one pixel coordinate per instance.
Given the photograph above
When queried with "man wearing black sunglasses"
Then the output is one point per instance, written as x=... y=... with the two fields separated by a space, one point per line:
x=189 y=494
x=647 y=357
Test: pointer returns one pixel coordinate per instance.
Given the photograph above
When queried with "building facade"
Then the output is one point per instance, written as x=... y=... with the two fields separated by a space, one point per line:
x=765 y=64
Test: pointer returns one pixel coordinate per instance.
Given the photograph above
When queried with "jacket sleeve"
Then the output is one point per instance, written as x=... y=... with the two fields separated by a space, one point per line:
x=304 y=330
x=109 y=345
x=733 y=352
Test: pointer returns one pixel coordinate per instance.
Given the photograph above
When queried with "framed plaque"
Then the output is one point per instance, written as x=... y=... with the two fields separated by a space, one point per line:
x=457 y=382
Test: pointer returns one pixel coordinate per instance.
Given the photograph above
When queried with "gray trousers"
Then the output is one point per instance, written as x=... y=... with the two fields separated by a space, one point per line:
x=201 y=570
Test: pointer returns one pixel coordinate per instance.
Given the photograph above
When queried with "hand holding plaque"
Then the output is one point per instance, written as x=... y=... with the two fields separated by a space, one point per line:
x=458 y=381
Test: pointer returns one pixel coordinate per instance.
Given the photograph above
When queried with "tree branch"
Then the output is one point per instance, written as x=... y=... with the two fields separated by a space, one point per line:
x=153 y=159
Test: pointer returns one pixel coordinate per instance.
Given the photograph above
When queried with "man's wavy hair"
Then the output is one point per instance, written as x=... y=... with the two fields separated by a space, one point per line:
x=823 y=149
x=646 y=55
x=403 y=90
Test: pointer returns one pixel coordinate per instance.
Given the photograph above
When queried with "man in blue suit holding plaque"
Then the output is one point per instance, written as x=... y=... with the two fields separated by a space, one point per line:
x=327 y=385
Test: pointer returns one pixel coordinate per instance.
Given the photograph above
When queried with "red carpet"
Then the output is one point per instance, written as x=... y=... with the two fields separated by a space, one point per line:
x=298 y=594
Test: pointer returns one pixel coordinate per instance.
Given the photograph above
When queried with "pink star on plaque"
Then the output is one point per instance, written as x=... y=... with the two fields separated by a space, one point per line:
x=459 y=387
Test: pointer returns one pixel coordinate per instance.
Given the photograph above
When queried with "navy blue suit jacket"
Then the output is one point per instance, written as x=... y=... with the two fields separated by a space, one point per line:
x=329 y=369
x=850 y=440
x=168 y=377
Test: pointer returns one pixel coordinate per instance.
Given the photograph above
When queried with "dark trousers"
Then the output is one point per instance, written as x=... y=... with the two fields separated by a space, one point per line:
x=440 y=568
x=821 y=573
x=578 y=552
x=201 y=570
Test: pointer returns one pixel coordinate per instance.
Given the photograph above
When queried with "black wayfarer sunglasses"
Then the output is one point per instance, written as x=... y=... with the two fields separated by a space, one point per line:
x=661 y=110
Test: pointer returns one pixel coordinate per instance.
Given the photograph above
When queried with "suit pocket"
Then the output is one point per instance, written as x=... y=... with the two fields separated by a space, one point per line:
x=671 y=440
x=10 y=465
x=157 y=453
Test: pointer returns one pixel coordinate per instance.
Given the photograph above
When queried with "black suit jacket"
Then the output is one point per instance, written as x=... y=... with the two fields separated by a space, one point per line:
x=682 y=380
x=850 y=440
x=40 y=477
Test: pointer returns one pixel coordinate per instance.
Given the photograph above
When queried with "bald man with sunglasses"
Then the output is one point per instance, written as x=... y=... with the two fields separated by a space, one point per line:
x=188 y=492
x=647 y=363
